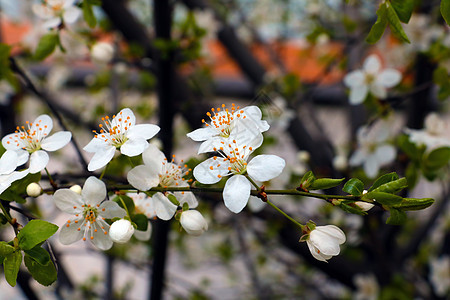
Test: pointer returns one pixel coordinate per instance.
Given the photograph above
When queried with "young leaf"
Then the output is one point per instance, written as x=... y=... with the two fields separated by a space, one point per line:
x=354 y=187
x=352 y=209
x=307 y=180
x=39 y=254
x=445 y=10
x=438 y=158
x=44 y=274
x=173 y=199
x=383 y=179
x=383 y=198
x=414 y=203
x=35 y=232
x=397 y=217
x=88 y=14
x=379 y=27
x=394 y=23
x=392 y=186
x=141 y=221
x=404 y=9
x=11 y=266
x=46 y=46
x=5 y=249
x=325 y=183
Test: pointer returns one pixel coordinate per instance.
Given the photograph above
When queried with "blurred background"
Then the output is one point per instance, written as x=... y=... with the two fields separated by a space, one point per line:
x=171 y=62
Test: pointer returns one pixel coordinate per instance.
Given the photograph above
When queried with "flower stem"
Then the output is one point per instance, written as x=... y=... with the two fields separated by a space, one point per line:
x=124 y=206
x=286 y=215
x=50 y=179
x=8 y=217
x=103 y=172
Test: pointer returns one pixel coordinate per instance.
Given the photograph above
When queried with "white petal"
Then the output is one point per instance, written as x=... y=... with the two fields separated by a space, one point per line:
x=8 y=162
x=95 y=145
x=143 y=131
x=70 y=234
x=101 y=240
x=22 y=157
x=143 y=177
x=133 y=147
x=52 y=23
x=124 y=115
x=56 y=141
x=144 y=235
x=358 y=94
x=153 y=158
x=389 y=78
x=322 y=241
x=210 y=144
x=44 y=122
x=357 y=158
x=315 y=252
x=94 y=191
x=265 y=167
x=385 y=154
x=202 y=134
x=236 y=193
x=371 y=166
x=11 y=142
x=68 y=201
x=110 y=209
x=69 y=3
x=38 y=161
x=7 y=180
x=188 y=198
x=164 y=208
x=354 y=78
x=71 y=14
x=254 y=114
x=211 y=170
x=246 y=134
x=378 y=90
x=255 y=204
x=372 y=64
x=101 y=158
x=334 y=232
x=42 y=11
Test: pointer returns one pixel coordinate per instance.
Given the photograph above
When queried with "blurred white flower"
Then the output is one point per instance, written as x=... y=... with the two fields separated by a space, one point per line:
x=373 y=150
x=340 y=162
x=34 y=189
x=435 y=133
x=440 y=275
x=102 y=52
x=54 y=12
x=193 y=222
x=421 y=32
x=371 y=78
x=121 y=231
x=367 y=287
x=324 y=241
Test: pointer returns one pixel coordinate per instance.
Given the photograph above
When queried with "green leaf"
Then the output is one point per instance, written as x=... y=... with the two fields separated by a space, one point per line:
x=414 y=203
x=5 y=70
x=412 y=175
x=377 y=30
x=5 y=249
x=9 y=195
x=352 y=209
x=354 y=187
x=46 y=46
x=307 y=180
x=404 y=9
x=39 y=254
x=437 y=158
x=325 y=183
x=129 y=203
x=383 y=179
x=11 y=266
x=445 y=10
x=410 y=148
x=35 y=232
x=88 y=14
x=44 y=274
x=392 y=186
x=394 y=23
x=3 y=219
x=141 y=221
x=440 y=76
x=173 y=199
x=397 y=217
x=383 y=198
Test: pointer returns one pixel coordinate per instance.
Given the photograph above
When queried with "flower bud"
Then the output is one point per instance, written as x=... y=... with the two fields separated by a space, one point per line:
x=76 y=188
x=324 y=241
x=34 y=189
x=193 y=222
x=340 y=162
x=121 y=231
x=102 y=52
x=364 y=205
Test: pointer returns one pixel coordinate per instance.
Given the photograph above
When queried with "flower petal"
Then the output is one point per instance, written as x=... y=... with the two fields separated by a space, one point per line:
x=110 y=209
x=316 y=253
x=52 y=23
x=22 y=157
x=38 y=161
x=101 y=158
x=42 y=11
x=125 y=114
x=144 y=235
x=358 y=94
x=143 y=177
x=202 y=134
x=236 y=193
x=164 y=208
x=186 y=197
x=133 y=147
x=100 y=236
x=43 y=123
x=334 y=232
x=94 y=191
x=153 y=158
x=7 y=180
x=371 y=166
x=372 y=64
x=12 y=142
x=143 y=131
x=378 y=90
x=385 y=154
x=254 y=114
x=71 y=14
x=211 y=170
x=322 y=241
x=95 y=145
x=56 y=141
x=265 y=167
x=70 y=234
x=389 y=78
x=255 y=204
x=8 y=162
x=354 y=78
x=68 y=201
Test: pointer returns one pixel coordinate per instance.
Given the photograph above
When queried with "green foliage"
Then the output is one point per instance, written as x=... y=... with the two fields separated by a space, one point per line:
x=45 y=274
x=445 y=10
x=11 y=266
x=397 y=217
x=88 y=14
x=325 y=183
x=442 y=79
x=404 y=9
x=386 y=178
x=35 y=232
x=414 y=203
x=383 y=198
x=173 y=199
x=307 y=180
x=18 y=188
x=141 y=221
x=379 y=27
x=354 y=187
x=47 y=44
x=125 y=202
x=394 y=23
x=39 y=254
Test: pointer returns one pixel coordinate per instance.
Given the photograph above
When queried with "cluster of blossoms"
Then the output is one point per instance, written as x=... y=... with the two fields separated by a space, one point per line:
x=55 y=12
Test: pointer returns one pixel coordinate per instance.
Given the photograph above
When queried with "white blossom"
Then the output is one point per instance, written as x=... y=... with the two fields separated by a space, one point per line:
x=440 y=275
x=371 y=78
x=324 y=241
x=367 y=287
x=102 y=52
x=435 y=133
x=30 y=142
x=121 y=231
x=34 y=189
x=193 y=222
x=90 y=213
x=119 y=133
x=54 y=12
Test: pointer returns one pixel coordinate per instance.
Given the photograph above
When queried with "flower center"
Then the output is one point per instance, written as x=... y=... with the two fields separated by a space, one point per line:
x=28 y=139
x=114 y=132
x=369 y=79
x=172 y=174
x=90 y=214
x=223 y=119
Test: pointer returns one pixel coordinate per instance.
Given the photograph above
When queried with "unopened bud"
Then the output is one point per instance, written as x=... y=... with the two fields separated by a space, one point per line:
x=121 y=231
x=364 y=205
x=193 y=222
x=34 y=189
x=76 y=188
x=102 y=52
